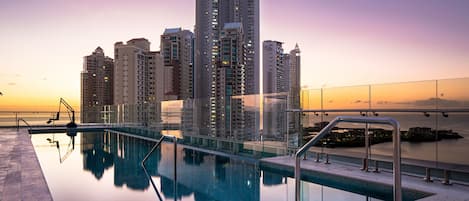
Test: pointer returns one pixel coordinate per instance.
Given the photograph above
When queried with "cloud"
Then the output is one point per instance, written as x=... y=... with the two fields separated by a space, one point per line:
x=430 y=103
x=382 y=102
x=441 y=102
x=11 y=84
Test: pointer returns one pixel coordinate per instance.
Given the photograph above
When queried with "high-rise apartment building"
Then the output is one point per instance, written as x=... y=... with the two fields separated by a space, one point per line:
x=96 y=85
x=137 y=77
x=227 y=120
x=276 y=84
x=295 y=88
x=211 y=17
x=276 y=69
x=281 y=86
x=130 y=67
x=249 y=17
x=177 y=50
x=138 y=72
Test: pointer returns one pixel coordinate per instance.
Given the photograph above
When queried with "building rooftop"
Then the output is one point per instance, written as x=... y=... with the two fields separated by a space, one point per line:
x=172 y=30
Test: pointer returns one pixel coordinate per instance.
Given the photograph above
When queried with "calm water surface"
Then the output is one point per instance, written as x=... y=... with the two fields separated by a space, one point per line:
x=106 y=166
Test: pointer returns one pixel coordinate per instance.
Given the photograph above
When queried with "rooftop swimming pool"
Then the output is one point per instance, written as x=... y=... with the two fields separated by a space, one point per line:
x=106 y=166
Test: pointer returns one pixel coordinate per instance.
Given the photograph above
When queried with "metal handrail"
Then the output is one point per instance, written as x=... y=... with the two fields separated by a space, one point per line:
x=397 y=188
x=18 y=123
x=175 y=165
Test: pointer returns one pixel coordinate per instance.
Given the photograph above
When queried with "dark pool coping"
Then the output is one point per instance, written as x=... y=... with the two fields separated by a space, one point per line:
x=21 y=176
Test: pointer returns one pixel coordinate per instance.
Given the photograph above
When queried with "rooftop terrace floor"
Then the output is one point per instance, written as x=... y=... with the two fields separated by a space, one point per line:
x=454 y=192
x=21 y=176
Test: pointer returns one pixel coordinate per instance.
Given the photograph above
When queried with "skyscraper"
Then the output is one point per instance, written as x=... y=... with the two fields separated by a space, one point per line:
x=295 y=88
x=130 y=67
x=96 y=85
x=249 y=17
x=211 y=17
x=281 y=77
x=176 y=48
x=276 y=68
x=276 y=84
x=138 y=72
x=228 y=119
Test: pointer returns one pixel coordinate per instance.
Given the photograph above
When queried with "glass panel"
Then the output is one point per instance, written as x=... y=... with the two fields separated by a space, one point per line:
x=274 y=120
x=347 y=139
x=453 y=130
x=401 y=99
x=355 y=97
x=310 y=100
x=408 y=95
x=171 y=118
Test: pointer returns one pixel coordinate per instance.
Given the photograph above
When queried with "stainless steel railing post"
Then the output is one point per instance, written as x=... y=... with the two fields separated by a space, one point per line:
x=17 y=122
x=376 y=167
x=175 y=167
x=446 y=176
x=367 y=147
x=397 y=188
x=427 y=177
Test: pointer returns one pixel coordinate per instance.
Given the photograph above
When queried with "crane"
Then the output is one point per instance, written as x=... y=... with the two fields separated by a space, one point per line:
x=72 y=123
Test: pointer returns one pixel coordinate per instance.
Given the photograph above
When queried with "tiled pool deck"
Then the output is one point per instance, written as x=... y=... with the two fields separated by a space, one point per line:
x=440 y=192
x=21 y=175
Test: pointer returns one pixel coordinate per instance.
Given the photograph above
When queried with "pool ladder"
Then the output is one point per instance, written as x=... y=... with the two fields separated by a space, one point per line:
x=397 y=187
x=175 y=165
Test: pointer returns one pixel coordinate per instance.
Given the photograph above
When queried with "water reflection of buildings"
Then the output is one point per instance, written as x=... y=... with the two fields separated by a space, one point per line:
x=95 y=158
x=101 y=151
x=206 y=176
x=211 y=176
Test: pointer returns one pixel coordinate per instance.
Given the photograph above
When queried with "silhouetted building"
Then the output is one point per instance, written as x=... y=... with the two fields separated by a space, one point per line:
x=96 y=85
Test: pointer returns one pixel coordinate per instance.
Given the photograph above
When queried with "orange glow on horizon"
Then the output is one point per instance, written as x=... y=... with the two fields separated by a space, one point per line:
x=420 y=94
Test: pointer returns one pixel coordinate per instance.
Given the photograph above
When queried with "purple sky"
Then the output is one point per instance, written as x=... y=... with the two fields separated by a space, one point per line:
x=343 y=42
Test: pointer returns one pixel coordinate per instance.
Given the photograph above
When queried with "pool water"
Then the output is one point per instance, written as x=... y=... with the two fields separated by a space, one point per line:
x=106 y=166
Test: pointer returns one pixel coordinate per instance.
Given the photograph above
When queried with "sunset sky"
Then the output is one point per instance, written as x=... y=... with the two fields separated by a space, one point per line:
x=343 y=42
